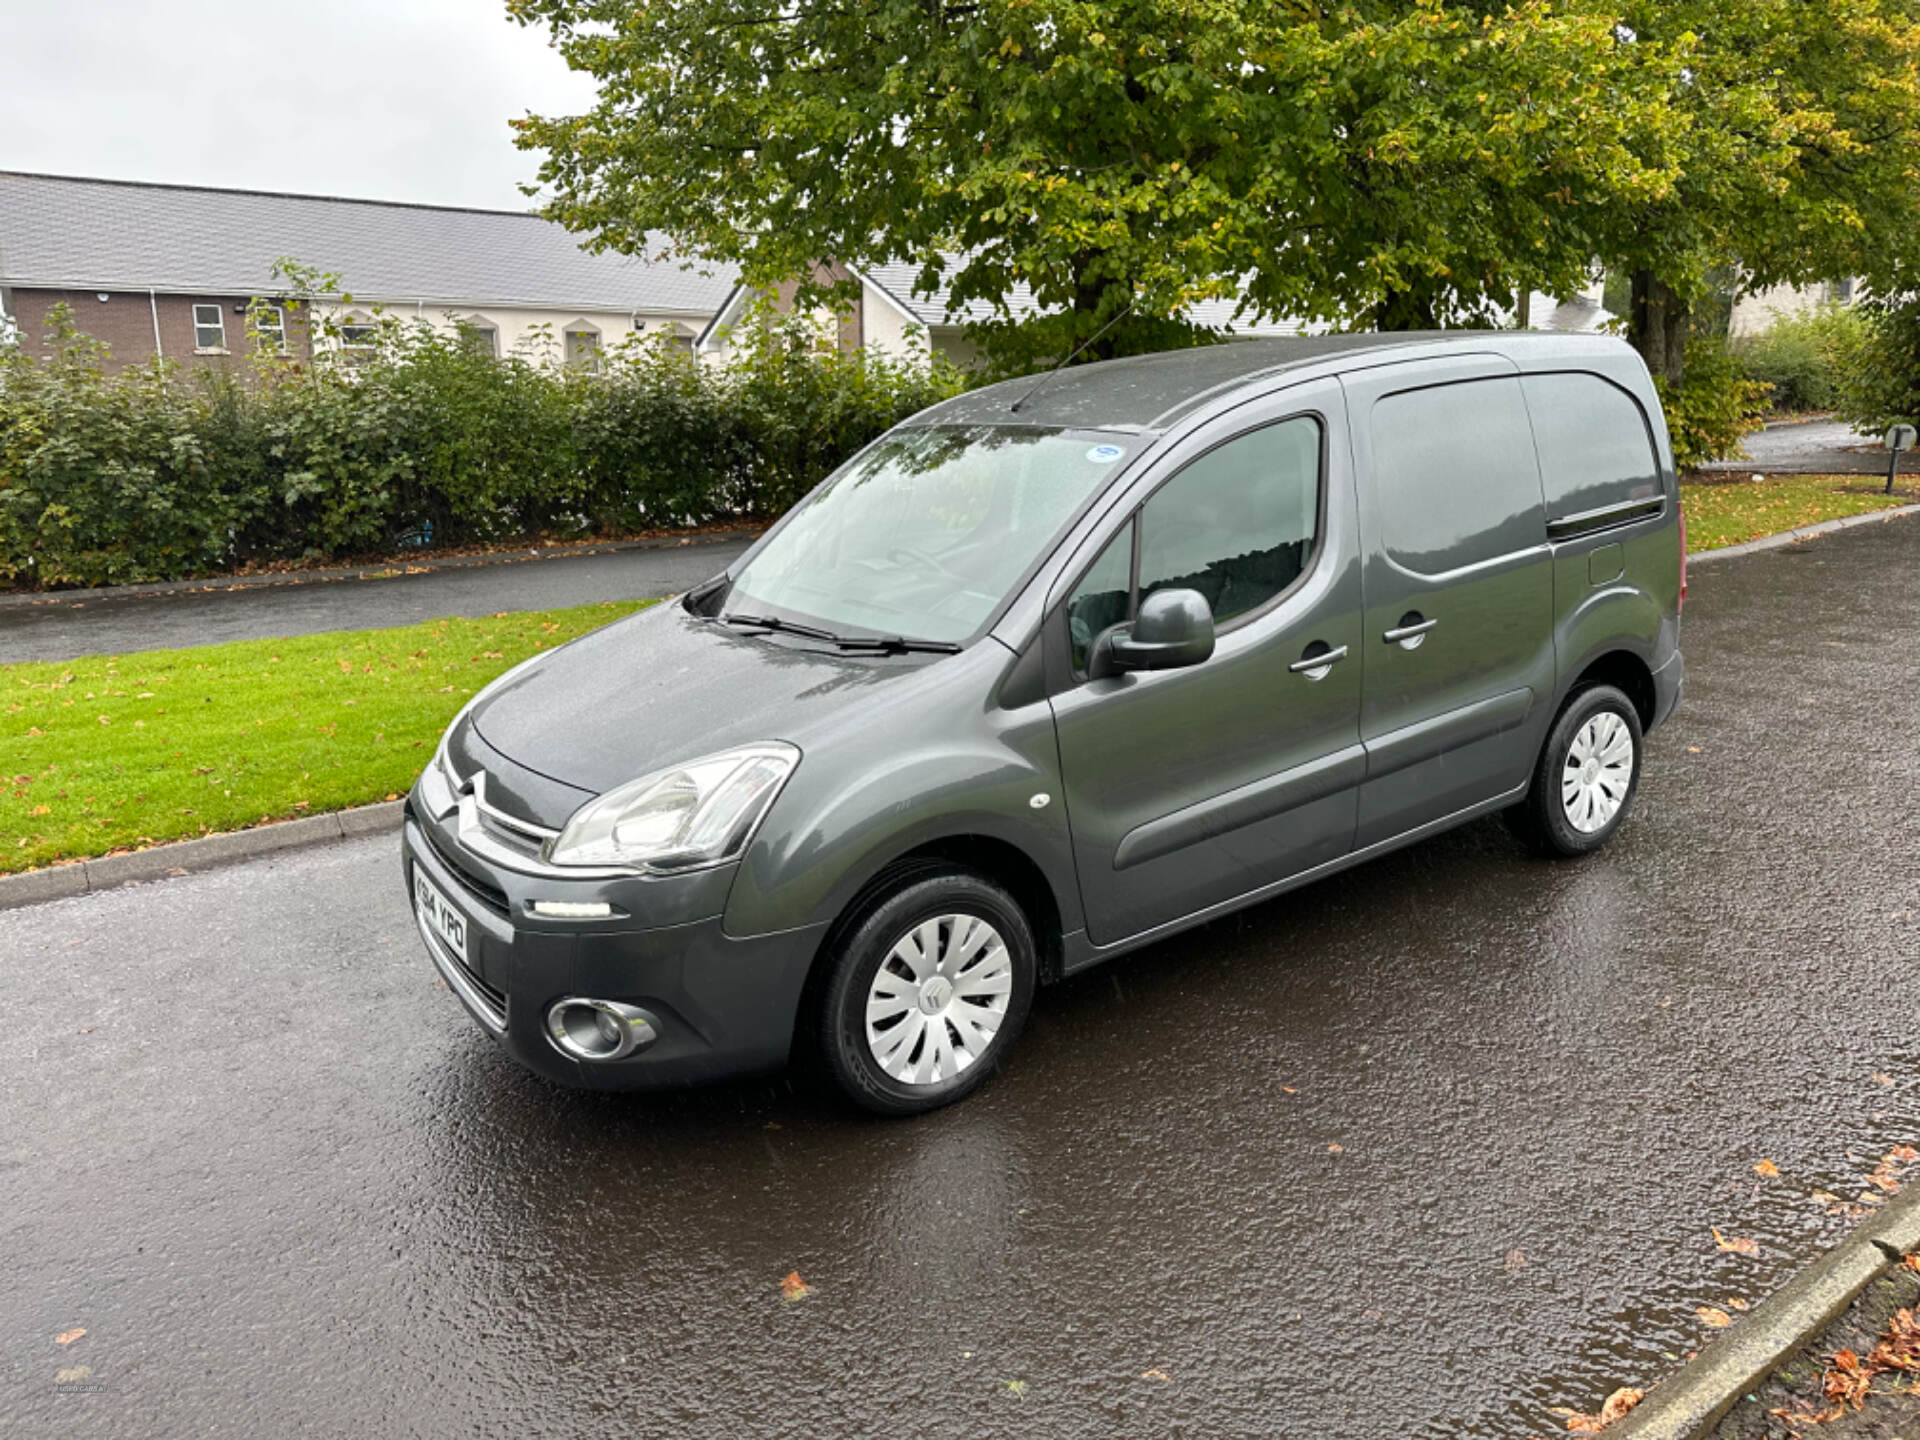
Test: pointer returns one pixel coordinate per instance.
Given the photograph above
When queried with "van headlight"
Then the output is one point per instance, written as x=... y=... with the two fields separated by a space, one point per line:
x=683 y=818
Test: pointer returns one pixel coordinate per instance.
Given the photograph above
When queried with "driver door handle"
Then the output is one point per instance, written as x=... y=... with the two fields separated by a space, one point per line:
x=1320 y=662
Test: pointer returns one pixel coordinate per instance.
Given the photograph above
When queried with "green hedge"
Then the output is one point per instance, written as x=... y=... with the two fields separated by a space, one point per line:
x=1798 y=356
x=1713 y=406
x=1877 y=376
x=158 y=473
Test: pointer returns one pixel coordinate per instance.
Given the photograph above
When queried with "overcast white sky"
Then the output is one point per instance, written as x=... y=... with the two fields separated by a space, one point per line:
x=380 y=99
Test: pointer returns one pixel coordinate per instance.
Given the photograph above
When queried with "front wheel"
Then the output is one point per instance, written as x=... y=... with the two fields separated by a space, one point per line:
x=1586 y=777
x=927 y=992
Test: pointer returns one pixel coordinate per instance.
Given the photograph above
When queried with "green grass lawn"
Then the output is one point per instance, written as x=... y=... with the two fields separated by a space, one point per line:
x=116 y=752
x=1728 y=510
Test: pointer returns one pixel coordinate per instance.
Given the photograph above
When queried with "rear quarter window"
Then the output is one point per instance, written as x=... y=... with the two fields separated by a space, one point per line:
x=1595 y=448
x=1455 y=474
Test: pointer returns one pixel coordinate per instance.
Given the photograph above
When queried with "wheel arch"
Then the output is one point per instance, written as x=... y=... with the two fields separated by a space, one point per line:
x=1625 y=671
x=998 y=859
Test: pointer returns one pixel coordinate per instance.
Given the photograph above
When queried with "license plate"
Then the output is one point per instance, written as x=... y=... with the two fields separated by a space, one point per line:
x=439 y=917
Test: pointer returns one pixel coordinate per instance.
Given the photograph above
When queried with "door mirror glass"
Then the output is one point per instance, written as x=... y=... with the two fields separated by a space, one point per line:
x=1173 y=629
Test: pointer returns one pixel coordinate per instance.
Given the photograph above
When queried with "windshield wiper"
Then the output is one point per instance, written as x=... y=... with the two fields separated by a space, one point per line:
x=879 y=644
x=896 y=645
x=785 y=627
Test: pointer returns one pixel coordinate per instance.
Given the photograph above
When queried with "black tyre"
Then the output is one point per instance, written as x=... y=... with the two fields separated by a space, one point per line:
x=927 y=991
x=1586 y=777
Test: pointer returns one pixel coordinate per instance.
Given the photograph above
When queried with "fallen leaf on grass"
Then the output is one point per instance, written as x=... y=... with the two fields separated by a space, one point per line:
x=793 y=1287
x=1766 y=1168
x=67 y=1337
x=1714 y=1316
x=1738 y=1244
x=1617 y=1404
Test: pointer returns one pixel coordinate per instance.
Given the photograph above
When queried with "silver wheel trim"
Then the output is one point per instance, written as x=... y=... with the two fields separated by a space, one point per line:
x=938 y=998
x=1597 y=772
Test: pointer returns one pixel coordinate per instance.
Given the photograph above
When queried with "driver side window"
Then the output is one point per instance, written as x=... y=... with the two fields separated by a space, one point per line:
x=1239 y=525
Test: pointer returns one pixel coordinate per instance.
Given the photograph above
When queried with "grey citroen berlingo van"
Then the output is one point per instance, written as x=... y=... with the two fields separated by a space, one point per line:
x=1050 y=671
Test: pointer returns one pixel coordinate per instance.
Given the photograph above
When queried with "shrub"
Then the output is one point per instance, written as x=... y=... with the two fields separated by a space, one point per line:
x=158 y=473
x=1714 y=405
x=1877 y=375
x=1797 y=355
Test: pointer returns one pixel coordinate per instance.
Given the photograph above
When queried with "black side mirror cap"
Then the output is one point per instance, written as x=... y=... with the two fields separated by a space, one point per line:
x=1174 y=629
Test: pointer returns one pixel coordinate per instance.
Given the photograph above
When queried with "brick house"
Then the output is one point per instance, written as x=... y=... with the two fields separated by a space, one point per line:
x=172 y=270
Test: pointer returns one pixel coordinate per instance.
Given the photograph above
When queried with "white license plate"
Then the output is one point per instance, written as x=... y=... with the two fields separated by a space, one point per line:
x=438 y=915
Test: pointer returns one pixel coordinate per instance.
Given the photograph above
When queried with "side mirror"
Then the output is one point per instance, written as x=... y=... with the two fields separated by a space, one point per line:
x=1173 y=629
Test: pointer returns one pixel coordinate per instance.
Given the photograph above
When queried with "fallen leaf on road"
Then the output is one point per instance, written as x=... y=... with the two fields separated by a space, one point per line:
x=794 y=1288
x=1880 y=1079
x=1516 y=1260
x=72 y=1373
x=1335 y=1148
x=1617 y=1404
x=67 y=1337
x=1714 y=1316
x=1290 y=1090
x=1738 y=1244
x=1016 y=1387
x=1734 y=1302
x=1157 y=1374
x=1767 y=1168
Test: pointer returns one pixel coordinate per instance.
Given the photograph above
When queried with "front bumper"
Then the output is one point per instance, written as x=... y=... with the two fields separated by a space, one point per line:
x=726 y=1006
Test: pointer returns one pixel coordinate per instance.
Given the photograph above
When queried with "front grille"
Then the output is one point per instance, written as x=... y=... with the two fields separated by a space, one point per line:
x=492 y=896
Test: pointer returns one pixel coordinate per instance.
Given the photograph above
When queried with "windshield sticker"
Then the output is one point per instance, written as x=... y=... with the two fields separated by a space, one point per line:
x=1105 y=454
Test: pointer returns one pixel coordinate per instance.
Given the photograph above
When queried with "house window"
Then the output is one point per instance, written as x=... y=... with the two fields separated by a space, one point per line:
x=583 y=348
x=357 y=337
x=209 y=328
x=481 y=339
x=270 y=325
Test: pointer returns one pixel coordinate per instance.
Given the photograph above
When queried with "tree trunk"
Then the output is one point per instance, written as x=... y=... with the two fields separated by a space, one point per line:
x=1523 y=311
x=1657 y=325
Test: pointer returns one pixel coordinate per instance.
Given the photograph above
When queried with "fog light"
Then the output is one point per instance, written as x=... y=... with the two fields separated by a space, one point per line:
x=599 y=1029
x=573 y=909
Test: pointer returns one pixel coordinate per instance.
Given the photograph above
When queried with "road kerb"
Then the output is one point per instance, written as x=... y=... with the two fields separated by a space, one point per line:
x=184 y=857
x=382 y=570
x=1690 y=1402
x=1794 y=537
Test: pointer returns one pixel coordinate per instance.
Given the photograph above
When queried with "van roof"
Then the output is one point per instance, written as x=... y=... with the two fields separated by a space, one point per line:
x=1149 y=392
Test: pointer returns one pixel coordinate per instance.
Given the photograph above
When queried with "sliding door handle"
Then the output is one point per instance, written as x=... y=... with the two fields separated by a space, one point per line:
x=1318 y=660
x=1411 y=630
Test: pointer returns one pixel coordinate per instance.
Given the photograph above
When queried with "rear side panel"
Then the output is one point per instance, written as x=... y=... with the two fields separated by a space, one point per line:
x=1612 y=512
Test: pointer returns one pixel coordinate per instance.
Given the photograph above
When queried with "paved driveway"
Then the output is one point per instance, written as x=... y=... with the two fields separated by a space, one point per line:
x=119 y=624
x=1421 y=1151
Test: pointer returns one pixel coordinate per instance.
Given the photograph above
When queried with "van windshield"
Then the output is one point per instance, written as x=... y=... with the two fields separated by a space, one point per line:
x=924 y=534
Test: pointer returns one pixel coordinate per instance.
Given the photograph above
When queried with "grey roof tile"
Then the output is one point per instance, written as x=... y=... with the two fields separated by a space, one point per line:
x=107 y=234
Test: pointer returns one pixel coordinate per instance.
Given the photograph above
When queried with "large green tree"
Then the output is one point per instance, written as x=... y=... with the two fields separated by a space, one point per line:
x=1387 y=163
x=1799 y=158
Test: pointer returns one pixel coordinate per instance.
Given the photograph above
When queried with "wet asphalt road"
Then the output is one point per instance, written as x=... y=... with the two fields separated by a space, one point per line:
x=288 y=1189
x=120 y=624
x=1813 y=447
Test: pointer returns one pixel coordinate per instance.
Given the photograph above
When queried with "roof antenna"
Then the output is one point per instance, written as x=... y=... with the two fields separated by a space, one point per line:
x=1034 y=388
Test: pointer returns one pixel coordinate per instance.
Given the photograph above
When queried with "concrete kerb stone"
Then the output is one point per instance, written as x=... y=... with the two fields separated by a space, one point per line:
x=1689 y=1403
x=388 y=570
x=1805 y=532
x=186 y=856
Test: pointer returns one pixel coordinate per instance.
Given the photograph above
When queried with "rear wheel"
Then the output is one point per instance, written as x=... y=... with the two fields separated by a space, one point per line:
x=1586 y=777
x=927 y=992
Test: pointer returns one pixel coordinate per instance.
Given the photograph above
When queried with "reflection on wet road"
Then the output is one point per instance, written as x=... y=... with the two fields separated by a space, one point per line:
x=1421 y=1151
